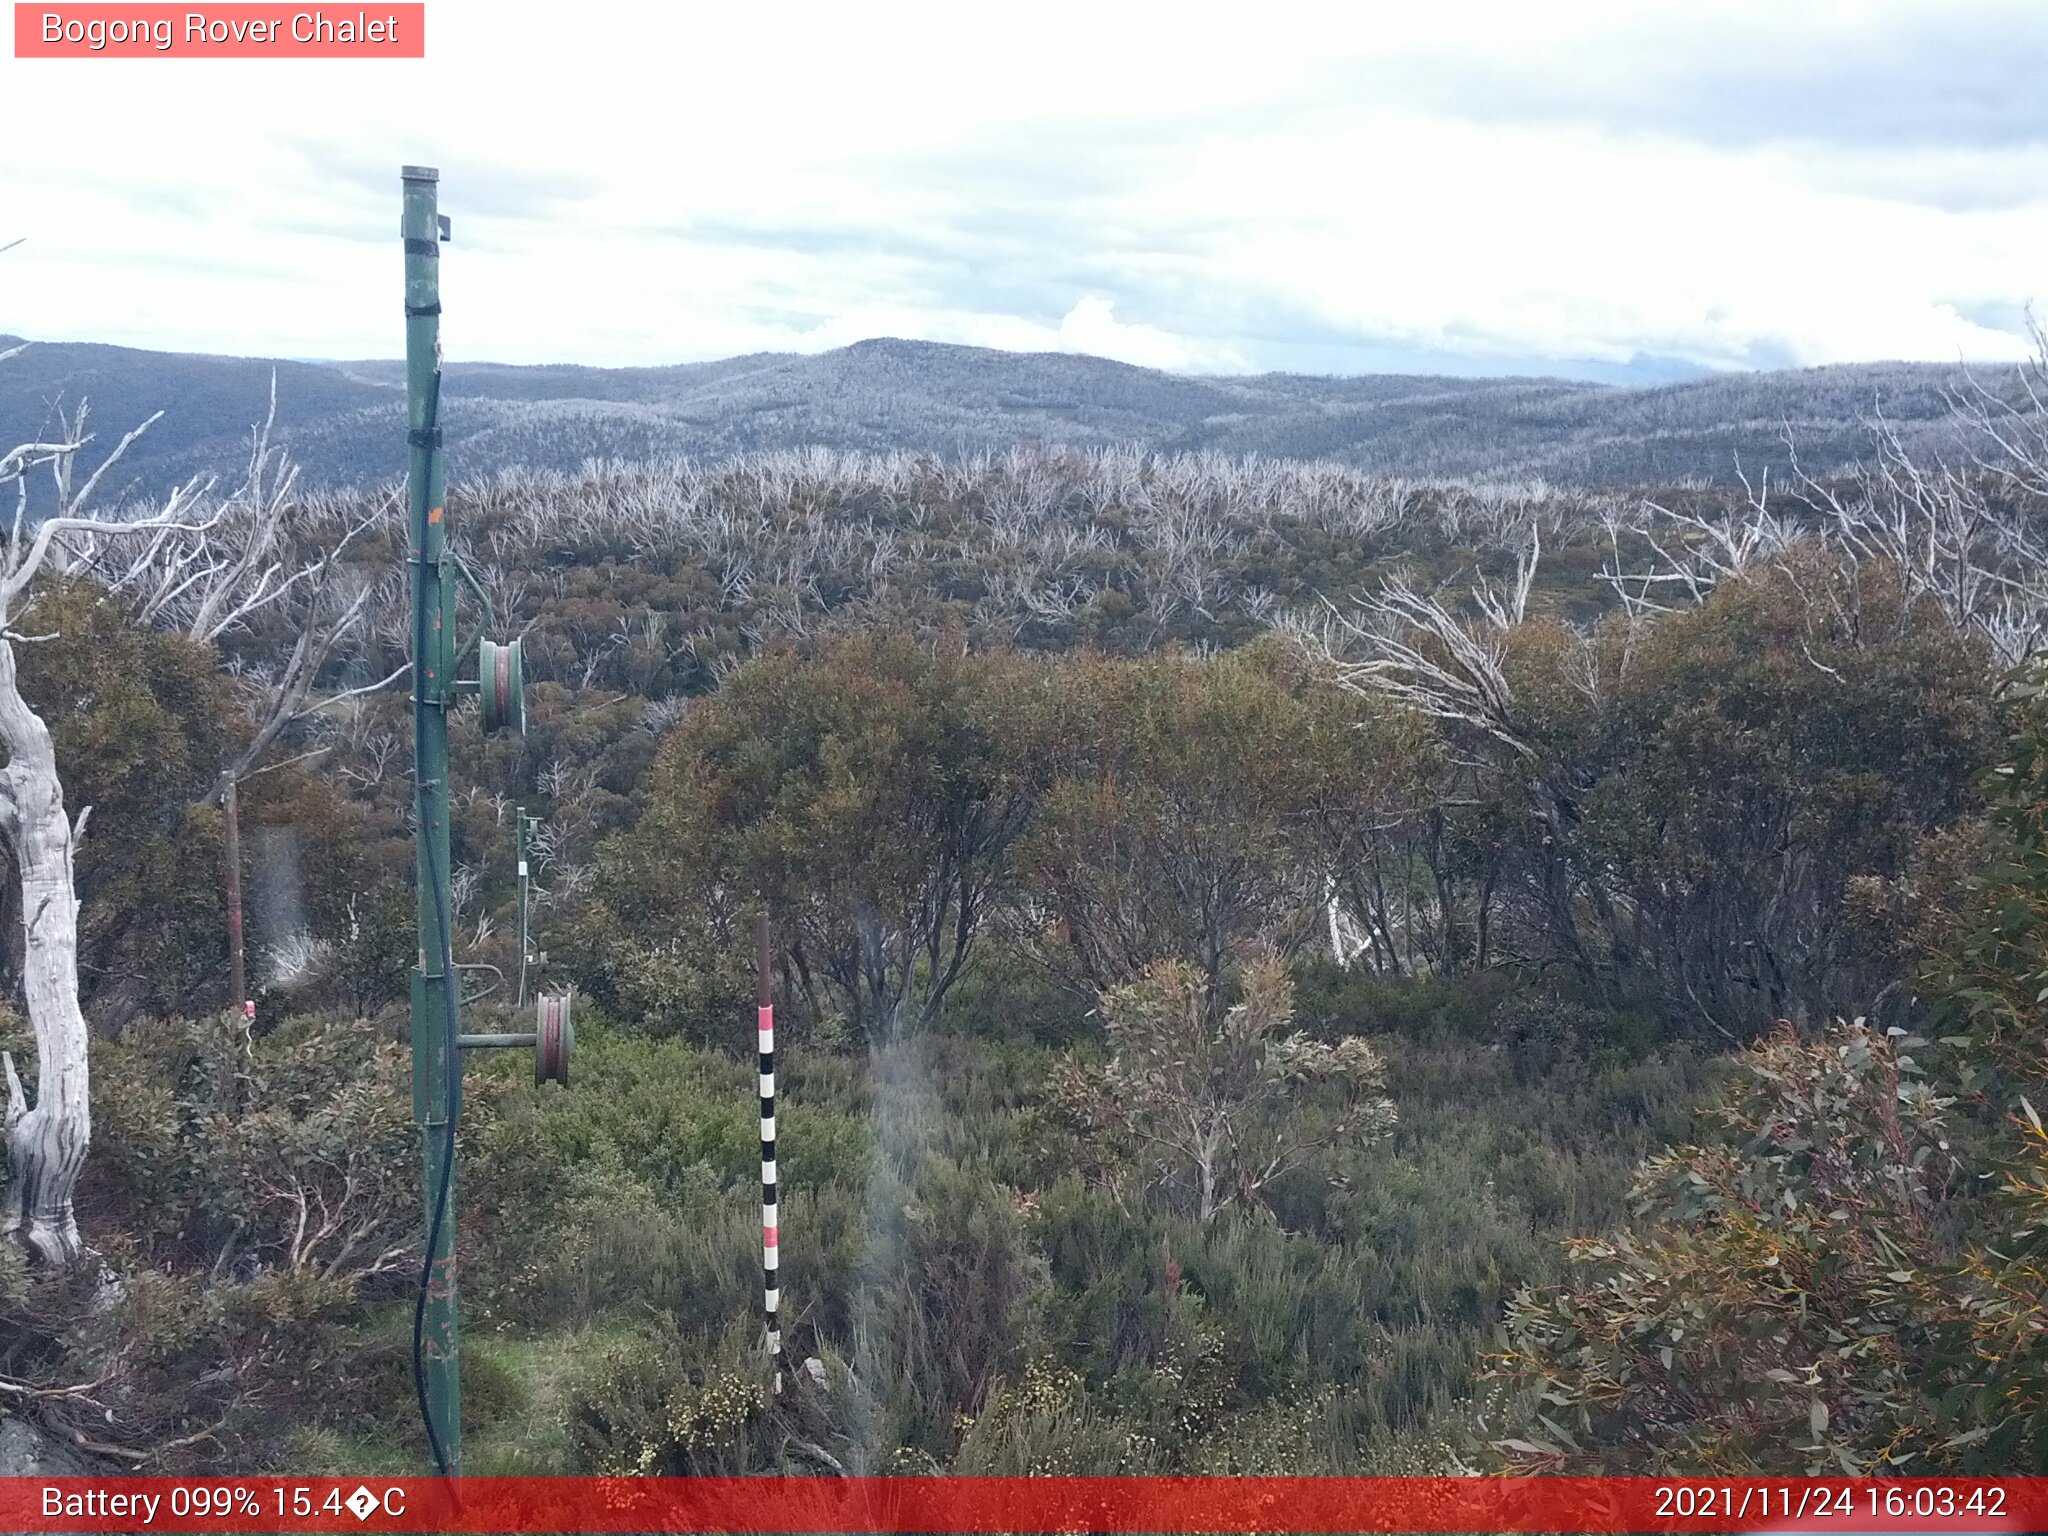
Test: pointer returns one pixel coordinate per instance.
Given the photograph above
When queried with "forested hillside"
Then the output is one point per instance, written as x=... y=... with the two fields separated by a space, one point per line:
x=1592 y=940
x=342 y=420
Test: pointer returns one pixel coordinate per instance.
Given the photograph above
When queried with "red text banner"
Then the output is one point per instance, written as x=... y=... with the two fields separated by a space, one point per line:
x=224 y=31
x=974 y=1505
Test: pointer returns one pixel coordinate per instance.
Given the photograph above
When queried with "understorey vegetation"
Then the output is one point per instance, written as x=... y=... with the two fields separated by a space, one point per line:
x=1279 y=970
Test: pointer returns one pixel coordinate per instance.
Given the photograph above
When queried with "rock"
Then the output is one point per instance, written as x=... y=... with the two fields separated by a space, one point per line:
x=26 y=1451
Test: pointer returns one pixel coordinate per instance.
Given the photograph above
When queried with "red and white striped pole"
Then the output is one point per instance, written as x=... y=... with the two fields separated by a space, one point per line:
x=764 y=1011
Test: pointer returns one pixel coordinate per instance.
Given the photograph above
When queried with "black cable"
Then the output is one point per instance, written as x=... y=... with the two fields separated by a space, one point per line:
x=447 y=957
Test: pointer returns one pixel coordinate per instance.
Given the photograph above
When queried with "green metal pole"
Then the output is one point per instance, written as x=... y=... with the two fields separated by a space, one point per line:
x=434 y=1053
x=525 y=948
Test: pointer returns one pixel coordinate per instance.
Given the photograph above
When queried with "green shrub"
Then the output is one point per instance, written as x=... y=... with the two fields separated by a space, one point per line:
x=225 y=1153
x=1335 y=1000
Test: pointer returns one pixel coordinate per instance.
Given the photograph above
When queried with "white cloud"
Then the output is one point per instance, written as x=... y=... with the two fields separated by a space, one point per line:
x=1147 y=184
x=1092 y=326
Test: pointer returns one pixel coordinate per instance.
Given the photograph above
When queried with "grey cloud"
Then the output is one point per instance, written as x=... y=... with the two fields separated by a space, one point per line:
x=1963 y=76
x=2008 y=315
x=1990 y=180
x=797 y=239
x=1031 y=262
x=359 y=186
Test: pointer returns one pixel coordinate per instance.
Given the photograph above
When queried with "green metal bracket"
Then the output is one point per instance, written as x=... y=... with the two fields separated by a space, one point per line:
x=552 y=1039
x=490 y=619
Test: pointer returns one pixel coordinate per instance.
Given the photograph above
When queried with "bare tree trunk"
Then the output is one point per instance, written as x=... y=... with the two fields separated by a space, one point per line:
x=46 y=1145
x=1207 y=1150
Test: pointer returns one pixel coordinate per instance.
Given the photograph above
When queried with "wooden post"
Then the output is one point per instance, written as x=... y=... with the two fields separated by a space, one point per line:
x=238 y=975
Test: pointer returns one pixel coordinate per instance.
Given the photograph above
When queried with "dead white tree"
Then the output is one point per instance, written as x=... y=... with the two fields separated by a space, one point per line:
x=1960 y=530
x=47 y=1141
x=1696 y=551
x=1962 y=534
x=268 y=555
x=1406 y=646
x=1413 y=649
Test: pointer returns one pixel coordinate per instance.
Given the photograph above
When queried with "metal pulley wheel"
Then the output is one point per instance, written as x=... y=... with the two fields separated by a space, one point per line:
x=554 y=1041
x=501 y=685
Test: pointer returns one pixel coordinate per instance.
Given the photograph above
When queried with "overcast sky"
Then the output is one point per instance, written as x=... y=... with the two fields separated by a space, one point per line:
x=1340 y=187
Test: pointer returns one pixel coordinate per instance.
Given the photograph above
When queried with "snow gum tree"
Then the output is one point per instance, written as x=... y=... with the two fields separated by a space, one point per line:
x=47 y=1140
x=1214 y=1094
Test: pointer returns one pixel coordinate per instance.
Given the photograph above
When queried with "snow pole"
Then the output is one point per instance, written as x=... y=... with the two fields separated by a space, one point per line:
x=764 y=1019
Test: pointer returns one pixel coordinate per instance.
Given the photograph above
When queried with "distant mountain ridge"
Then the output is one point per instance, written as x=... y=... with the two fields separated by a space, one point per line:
x=344 y=420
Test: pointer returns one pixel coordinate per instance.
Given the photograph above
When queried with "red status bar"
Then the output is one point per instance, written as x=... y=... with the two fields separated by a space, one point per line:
x=963 y=1505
